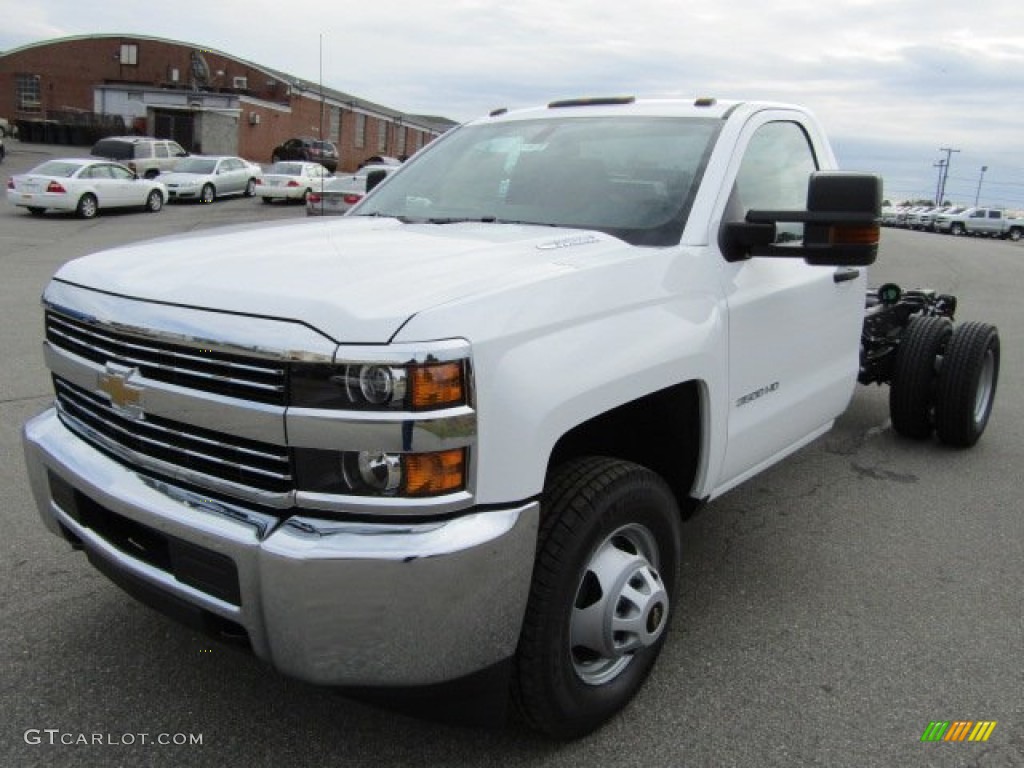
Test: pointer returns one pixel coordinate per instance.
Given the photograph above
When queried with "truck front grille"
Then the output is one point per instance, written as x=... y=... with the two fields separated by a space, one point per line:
x=205 y=370
x=225 y=457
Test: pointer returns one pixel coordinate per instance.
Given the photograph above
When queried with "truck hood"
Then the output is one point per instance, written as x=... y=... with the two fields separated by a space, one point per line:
x=356 y=280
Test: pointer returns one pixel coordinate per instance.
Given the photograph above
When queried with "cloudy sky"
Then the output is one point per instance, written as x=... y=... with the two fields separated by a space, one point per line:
x=893 y=81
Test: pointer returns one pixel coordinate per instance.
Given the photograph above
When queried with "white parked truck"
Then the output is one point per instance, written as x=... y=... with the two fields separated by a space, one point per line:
x=988 y=222
x=451 y=435
x=993 y=222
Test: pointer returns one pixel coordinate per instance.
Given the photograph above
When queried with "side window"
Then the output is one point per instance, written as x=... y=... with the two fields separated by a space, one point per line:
x=774 y=174
x=161 y=150
x=995 y=214
x=119 y=173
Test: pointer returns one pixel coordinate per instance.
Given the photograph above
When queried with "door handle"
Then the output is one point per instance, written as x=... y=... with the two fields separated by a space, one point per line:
x=845 y=274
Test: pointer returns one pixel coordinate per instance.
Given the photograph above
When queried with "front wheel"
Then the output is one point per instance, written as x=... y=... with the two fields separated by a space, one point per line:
x=957 y=228
x=207 y=194
x=154 y=202
x=967 y=384
x=603 y=585
x=87 y=207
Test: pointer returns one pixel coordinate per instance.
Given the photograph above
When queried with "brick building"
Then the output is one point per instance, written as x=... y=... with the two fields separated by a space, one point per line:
x=205 y=99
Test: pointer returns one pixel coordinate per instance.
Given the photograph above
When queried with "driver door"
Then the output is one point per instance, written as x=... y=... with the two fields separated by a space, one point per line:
x=794 y=329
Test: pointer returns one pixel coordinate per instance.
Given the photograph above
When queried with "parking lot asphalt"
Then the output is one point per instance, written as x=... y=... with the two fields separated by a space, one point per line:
x=832 y=607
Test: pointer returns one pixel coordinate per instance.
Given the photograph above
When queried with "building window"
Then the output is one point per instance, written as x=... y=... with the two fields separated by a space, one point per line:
x=382 y=135
x=129 y=54
x=360 y=138
x=27 y=93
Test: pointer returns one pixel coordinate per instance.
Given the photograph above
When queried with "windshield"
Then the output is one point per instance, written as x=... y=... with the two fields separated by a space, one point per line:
x=631 y=177
x=200 y=165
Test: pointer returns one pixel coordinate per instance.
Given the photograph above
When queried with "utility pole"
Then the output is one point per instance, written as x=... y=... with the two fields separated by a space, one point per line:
x=321 y=86
x=945 y=172
x=941 y=165
x=977 y=195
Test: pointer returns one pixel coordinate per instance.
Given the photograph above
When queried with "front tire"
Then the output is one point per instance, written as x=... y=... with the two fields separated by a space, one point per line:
x=87 y=207
x=957 y=228
x=967 y=384
x=604 y=581
x=154 y=202
x=207 y=194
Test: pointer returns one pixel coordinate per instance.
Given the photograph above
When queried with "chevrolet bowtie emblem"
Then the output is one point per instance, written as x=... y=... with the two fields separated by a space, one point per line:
x=126 y=397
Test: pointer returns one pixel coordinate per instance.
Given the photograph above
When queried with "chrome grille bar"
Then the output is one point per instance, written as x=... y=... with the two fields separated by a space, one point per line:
x=224 y=457
x=216 y=372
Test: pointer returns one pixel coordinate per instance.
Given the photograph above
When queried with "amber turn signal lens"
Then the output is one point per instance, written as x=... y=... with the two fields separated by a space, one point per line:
x=435 y=386
x=431 y=474
x=856 y=235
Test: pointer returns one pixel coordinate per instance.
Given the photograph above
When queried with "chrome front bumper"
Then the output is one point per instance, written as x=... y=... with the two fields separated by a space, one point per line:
x=339 y=603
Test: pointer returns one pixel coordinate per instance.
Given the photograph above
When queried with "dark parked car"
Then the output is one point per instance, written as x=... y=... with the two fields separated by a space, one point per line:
x=311 y=150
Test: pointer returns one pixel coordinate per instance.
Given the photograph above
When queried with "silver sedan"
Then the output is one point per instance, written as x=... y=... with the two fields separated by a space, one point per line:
x=206 y=177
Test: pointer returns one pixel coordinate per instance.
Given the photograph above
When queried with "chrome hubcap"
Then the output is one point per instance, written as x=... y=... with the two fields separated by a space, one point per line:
x=621 y=605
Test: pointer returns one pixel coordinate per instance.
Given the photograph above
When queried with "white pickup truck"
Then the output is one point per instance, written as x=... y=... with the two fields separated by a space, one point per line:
x=450 y=436
x=987 y=222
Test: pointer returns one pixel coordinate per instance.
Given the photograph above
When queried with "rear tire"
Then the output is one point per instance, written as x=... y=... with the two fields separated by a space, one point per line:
x=267 y=200
x=912 y=391
x=967 y=384
x=250 y=188
x=36 y=211
x=604 y=580
x=87 y=207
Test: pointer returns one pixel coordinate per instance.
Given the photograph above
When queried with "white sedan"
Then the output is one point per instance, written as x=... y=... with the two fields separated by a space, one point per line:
x=291 y=180
x=85 y=186
x=205 y=178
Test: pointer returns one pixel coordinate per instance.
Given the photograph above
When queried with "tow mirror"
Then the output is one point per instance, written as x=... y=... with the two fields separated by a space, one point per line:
x=841 y=224
x=373 y=178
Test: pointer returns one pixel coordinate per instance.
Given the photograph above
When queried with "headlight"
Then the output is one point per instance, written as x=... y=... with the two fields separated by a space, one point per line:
x=381 y=387
x=376 y=473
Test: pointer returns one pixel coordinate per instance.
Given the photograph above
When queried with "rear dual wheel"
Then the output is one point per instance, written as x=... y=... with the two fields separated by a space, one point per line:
x=945 y=379
x=966 y=387
x=603 y=586
x=915 y=370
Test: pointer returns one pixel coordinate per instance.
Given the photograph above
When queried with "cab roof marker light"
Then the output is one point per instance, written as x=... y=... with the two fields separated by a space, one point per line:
x=705 y=101
x=498 y=112
x=593 y=102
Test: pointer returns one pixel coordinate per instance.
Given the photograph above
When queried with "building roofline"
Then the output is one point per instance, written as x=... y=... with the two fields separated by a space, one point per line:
x=436 y=125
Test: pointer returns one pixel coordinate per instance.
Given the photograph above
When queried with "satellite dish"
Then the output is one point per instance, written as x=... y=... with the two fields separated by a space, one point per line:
x=200 y=69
